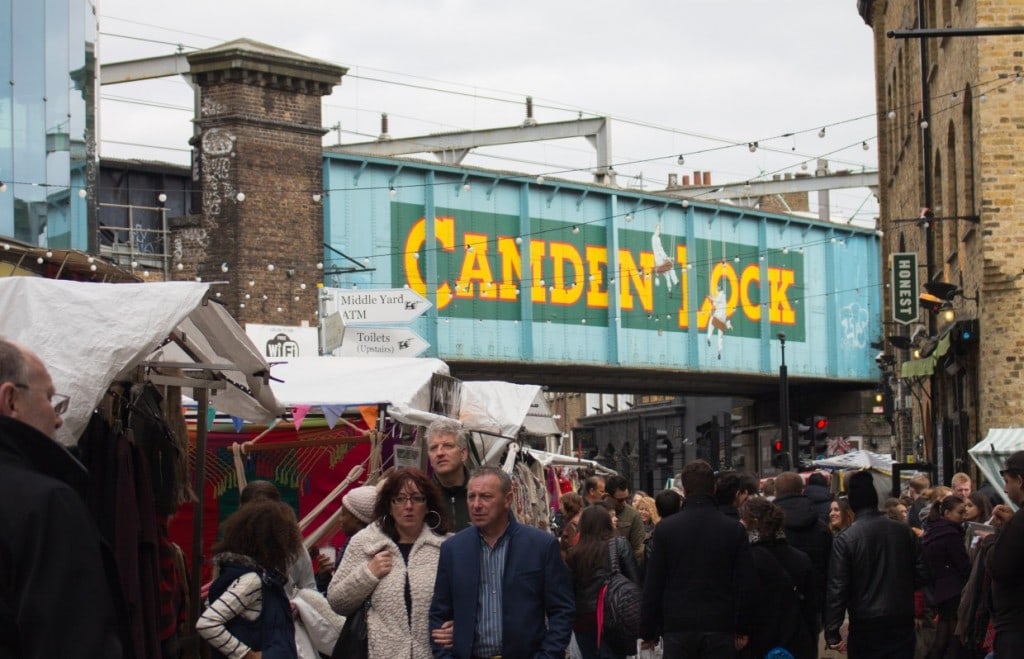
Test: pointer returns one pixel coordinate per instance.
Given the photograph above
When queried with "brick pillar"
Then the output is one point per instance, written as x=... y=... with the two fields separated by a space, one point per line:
x=258 y=161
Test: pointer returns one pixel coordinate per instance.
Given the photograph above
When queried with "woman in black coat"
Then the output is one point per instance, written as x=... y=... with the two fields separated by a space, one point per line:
x=590 y=563
x=943 y=546
x=784 y=595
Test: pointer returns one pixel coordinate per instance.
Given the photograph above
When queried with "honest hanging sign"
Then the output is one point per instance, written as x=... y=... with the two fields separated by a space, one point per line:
x=905 y=308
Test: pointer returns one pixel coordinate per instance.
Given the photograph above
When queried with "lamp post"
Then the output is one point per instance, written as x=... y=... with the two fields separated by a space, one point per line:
x=784 y=402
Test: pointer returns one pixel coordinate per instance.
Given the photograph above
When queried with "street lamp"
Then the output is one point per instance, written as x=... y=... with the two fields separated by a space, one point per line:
x=784 y=401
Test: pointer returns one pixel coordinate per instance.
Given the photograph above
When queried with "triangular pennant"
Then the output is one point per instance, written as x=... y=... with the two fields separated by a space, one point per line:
x=369 y=414
x=238 y=423
x=299 y=413
x=332 y=413
x=211 y=414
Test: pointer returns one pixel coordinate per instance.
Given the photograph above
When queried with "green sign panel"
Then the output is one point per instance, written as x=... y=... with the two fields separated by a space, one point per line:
x=905 y=308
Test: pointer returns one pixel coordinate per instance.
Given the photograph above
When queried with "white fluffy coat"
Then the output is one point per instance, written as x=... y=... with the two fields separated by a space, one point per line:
x=390 y=634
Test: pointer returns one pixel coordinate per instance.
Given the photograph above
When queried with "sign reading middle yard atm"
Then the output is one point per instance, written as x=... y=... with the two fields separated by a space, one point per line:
x=372 y=307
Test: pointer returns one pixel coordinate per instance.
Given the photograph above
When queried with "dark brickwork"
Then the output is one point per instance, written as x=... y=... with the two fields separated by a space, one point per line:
x=258 y=160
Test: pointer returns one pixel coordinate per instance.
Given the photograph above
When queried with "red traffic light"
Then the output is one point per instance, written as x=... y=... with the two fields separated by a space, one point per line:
x=820 y=423
x=777 y=446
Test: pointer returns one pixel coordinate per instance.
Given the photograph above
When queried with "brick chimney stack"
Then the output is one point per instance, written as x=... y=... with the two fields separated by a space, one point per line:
x=258 y=161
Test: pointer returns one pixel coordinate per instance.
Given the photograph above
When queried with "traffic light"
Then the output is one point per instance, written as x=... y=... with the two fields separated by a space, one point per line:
x=780 y=459
x=662 y=449
x=819 y=435
x=804 y=442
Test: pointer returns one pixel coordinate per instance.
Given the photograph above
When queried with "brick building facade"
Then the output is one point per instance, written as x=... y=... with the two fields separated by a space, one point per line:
x=258 y=164
x=950 y=132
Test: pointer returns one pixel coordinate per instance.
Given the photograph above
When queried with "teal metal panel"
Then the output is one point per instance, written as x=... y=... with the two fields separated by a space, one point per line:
x=569 y=273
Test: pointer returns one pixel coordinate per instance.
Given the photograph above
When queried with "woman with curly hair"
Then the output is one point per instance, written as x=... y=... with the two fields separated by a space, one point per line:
x=784 y=593
x=392 y=563
x=249 y=616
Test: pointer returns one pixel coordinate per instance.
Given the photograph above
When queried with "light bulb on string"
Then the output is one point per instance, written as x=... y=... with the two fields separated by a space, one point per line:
x=317 y=197
x=821 y=133
x=864 y=145
x=540 y=180
x=240 y=196
x=891 y=114
x=82 y=193
x=162 y=197
x=680 y=160
x=752 y=146
x=924 y=124
x=392 y=192
x=629 y=217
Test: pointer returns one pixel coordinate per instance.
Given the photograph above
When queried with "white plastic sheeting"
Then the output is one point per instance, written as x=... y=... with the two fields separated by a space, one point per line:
x=990 y=455
x=87 y=334
x=502 y=408
x=402 y=383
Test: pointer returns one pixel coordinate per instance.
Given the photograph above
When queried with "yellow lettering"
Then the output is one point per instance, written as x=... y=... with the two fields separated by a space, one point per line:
x=597 y=257
x=537 y=291
x=563 y=293
x=511 y=268
x=476 y=268
x=683 y=315
x=780 y=311
x=633 y=277
x=751 y=275
x=444 y=227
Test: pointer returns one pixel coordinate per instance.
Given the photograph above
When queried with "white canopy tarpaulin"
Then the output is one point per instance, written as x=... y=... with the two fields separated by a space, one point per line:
x=502 y=408
x=990 y=455
x=89 y=334
x=402 y=383
x=858 y=460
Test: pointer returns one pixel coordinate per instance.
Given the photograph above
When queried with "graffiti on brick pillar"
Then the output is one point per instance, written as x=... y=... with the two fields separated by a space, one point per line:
x=190 y=245
x=211 y=107
x=218 y=145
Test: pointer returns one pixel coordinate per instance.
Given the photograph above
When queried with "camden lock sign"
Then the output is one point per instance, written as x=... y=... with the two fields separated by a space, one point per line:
x=904 y=288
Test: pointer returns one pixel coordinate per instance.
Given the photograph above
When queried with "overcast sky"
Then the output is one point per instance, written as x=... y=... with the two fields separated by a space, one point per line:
x=701 y=78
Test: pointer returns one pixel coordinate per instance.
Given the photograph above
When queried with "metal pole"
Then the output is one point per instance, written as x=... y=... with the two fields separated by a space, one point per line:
x=784 y=402
x=198 y=485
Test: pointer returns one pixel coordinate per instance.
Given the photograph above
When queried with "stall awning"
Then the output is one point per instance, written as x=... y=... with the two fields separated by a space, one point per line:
x=89 y=334
x=990 y=455
x=926 y=365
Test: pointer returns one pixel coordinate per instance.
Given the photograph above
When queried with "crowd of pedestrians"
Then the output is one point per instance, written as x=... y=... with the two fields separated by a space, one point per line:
x=438 y=566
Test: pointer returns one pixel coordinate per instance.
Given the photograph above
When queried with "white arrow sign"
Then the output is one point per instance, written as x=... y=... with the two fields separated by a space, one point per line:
x=382 y=342
x=371 y=307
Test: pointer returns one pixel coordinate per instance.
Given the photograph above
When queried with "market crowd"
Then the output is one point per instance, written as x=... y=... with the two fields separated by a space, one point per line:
x=436 y=564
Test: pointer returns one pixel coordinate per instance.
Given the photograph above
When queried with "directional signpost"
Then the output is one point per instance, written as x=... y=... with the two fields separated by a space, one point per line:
x=382 y=342
x=351 y=319
x=370 y=307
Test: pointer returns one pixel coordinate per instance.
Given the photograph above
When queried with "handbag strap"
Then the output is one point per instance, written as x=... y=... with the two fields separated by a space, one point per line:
x=600 y=612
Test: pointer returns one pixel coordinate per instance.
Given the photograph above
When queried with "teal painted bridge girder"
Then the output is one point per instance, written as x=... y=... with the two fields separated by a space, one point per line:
x=555 y=273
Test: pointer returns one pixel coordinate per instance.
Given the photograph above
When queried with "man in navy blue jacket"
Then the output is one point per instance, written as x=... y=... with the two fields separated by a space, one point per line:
x=502 y=588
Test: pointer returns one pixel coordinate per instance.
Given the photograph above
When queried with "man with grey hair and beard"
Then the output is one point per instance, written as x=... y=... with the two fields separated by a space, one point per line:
x=447 y=450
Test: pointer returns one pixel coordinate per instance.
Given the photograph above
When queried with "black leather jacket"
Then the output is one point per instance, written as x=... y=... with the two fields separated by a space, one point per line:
x=876 y=566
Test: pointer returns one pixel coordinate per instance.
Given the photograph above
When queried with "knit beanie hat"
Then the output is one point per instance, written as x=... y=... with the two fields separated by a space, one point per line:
x=360 y=502
x=861 y=492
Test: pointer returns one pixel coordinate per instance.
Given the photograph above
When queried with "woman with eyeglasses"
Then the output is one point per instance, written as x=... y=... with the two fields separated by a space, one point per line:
x=392 y=563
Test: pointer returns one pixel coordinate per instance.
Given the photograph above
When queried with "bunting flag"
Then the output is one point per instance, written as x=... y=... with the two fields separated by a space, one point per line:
x=332 y=413
x=238 y=423
x=299 y=413
x=369 y=414
x=211 y=414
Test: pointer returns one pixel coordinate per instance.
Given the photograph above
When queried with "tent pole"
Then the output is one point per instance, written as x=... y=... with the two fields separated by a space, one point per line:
x=199 y=486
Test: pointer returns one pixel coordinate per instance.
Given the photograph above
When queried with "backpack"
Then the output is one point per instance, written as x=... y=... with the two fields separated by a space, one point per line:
x=618 y=609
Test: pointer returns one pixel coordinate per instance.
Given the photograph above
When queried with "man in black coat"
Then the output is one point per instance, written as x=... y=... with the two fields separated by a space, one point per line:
x=54 y=597
x=876 y=566
x=817 y=492
x=696 y=591
x=1005 y=566
x=804 y=529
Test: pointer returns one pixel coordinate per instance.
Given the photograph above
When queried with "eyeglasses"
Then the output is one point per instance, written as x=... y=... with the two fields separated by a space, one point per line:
x=1009 y=472
x=615 y=498
x=60 y=402
x=403 y=499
